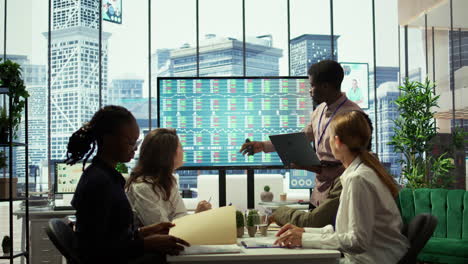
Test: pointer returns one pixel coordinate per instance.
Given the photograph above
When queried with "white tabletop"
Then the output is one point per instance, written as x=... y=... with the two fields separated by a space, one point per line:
x=264 y=255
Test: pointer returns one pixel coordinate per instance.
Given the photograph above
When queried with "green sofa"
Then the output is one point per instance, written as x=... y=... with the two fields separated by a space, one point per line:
x=449 y=243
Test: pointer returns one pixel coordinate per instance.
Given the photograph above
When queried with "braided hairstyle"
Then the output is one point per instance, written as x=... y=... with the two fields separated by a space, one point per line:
x=106 y=120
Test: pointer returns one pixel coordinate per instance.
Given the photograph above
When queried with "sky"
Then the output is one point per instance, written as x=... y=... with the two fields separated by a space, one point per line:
x=173 y=24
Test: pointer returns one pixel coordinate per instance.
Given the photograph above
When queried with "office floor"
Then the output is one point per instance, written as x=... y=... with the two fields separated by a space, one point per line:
x=5 y=228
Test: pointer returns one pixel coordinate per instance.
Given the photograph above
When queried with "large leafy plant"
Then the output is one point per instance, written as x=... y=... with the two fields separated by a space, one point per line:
x=414 y=132
x=11 y=77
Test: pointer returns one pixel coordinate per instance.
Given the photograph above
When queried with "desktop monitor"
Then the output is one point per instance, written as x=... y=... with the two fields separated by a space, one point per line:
x=67 y=177
x=214 y=115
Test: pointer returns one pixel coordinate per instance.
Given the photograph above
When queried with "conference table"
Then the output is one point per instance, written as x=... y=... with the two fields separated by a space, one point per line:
x=263 y=255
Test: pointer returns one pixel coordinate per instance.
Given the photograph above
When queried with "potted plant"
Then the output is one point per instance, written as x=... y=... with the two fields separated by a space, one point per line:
x=122 y=168
x=266 y=196
x=11 y=78
x=414 y=133
x=253 y=219
x=4 y=126
x=240 y=224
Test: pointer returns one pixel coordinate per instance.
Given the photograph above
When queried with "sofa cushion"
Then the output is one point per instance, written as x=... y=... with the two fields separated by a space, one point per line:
x=455 y=213
x=465 y=217
x=447 y=246
x=439 y=210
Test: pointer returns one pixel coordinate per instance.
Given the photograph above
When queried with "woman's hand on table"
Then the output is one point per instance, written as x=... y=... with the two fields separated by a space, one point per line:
x=290 y=236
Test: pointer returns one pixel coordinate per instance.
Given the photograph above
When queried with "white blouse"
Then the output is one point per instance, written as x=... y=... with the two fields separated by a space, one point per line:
x=150 y=208
x=368 y=222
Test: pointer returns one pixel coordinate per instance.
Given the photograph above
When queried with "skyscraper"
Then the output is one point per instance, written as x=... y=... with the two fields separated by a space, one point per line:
x=223 y=57
x=36 y=85
x=34 y=77
x=459 y=40
x=124 y=88
x=308 y=49
x=75 y=68
x=387 y=112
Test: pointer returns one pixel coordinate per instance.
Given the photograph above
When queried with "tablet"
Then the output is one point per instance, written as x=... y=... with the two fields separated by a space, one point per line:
x=295 y=148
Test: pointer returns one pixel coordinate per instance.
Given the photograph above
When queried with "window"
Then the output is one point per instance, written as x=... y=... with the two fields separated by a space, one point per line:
x=310 y=34
x=266 y=38
x=125 y=79
x=221 y=32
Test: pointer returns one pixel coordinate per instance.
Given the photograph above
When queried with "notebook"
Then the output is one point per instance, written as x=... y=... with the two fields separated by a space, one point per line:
x=260 y=242
x=295 y=148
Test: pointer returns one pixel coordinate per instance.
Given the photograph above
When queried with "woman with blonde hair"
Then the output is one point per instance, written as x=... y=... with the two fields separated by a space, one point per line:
x=368 y=222
x=152 y=188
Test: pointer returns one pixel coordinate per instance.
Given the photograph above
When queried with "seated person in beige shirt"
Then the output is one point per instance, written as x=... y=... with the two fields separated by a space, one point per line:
x=152 y=188
x=325 y=80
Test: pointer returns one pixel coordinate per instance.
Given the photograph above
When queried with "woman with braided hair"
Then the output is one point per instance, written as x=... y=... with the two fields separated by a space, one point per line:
x=104 y=227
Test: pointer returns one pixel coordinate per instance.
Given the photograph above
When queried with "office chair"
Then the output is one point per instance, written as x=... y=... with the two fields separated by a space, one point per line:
x=63 y=238
x=418 y=232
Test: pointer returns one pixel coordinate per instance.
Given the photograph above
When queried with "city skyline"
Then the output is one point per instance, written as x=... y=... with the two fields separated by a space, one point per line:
x=120 y=61
x=353 y=47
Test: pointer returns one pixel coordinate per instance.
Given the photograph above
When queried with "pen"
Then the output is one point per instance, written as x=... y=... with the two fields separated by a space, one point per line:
x=209 y=200
x=250 y=150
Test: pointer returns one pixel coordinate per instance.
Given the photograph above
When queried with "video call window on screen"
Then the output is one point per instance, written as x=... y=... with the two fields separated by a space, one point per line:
x=214 y=116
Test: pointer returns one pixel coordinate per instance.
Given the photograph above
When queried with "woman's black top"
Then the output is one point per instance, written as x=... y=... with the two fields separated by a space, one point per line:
x=104 y=218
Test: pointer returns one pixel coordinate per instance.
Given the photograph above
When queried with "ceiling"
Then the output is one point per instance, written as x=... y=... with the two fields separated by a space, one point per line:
x=438 y=13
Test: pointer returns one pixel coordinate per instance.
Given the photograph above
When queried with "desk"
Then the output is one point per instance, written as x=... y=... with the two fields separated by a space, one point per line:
x=41 y=248
x=264 y=255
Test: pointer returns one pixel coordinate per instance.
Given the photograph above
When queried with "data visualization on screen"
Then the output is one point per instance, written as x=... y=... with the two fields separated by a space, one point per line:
x=214 y=116
x=67 y=177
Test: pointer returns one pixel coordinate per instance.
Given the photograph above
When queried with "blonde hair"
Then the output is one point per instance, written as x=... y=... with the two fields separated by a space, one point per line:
x=354 y=131
x=156 y=162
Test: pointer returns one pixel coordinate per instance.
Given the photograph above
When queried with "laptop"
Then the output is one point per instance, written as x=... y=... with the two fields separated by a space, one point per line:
x=295 y=148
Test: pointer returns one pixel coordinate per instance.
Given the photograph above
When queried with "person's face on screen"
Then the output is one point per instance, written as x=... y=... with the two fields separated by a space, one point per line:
x=179 y=157
x=122 y=144
x=318 y=92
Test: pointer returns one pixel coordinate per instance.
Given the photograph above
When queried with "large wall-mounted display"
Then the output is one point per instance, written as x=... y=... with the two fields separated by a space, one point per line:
x=214 y=116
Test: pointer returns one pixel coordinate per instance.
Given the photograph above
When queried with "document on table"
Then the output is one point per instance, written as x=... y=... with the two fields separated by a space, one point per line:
x=211 y=249
x=213 y=227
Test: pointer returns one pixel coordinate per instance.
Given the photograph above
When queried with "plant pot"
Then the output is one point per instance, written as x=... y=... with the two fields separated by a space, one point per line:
x=5 y=187
x=252 y=230
x=240 y=232
x=266 y=196
x=263 y=229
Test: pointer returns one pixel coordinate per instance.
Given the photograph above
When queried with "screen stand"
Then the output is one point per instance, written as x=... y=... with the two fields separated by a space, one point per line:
x=222 y=187
x=250 y=189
